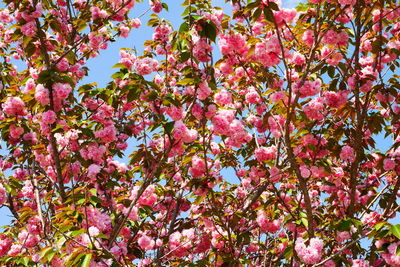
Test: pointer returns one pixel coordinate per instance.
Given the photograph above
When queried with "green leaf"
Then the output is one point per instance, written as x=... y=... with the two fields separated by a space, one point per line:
x=304 y=221
x=77 y=232
x=44 y=76
x=169 y=126
x=273 y=6
x=30 y=49
x=184 y=56
x=288 y=253
x=93 y=191
x=152 y=96
x=119 y=66
x=86 y=260
x=25 y=261
x=184 y=27
x=152 y=22
x=133 y=93
x=344 y=225
x=395 y=230
x=209 y=31
x=44 y=251
x=256 y=14
x=269 y=15
x=75 y=259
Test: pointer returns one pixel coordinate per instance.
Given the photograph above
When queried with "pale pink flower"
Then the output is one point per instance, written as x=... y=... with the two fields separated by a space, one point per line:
x=136 y=23
x=93 y=231
x=93 y=170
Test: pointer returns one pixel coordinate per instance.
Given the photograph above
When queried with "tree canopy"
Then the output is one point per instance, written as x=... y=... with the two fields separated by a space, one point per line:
x=258 y=136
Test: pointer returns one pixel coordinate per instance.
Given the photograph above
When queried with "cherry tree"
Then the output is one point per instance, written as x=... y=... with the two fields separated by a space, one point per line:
x=262 y=136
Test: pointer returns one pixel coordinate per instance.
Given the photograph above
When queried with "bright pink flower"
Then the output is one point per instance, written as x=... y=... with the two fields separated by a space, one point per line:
x=98 y=13
x=285 y=15
x=124 y=30
x=61 y=90
x=161 y=33
x=34 y=226
x=3 y=195
x=360 y=263
x=347 y=2
x=265 y=153
x=5 y=244
x=253 y=97
x=107 y=134
x=308 y=37
x=42 y=94
x=222 y=120
x=119 y=249
x=29 y=29
x=146 y=242
x=297 y=58
x=63 y=65
x=29 y=85
x=176 y=113
x=30 y=137
x=29 y=240
x=93 y=231
x=145 y=66
x=198 y=167
x=275 y=97
x=96 y=41
x=335 y=99
x=370 y=219
x=49 y=117
x=98 y=219
x=312 y=253
x=267 y=52
x=315 y=109
x=309 y=88
x=235 y=43
x=16 y=131
x=391 y=256
x=127 y=58
x=14 y=106
x=5 y=16
x=389 y=164
x=202 y=50
x=203 y=91
x=347 y=153
x=156 y=6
